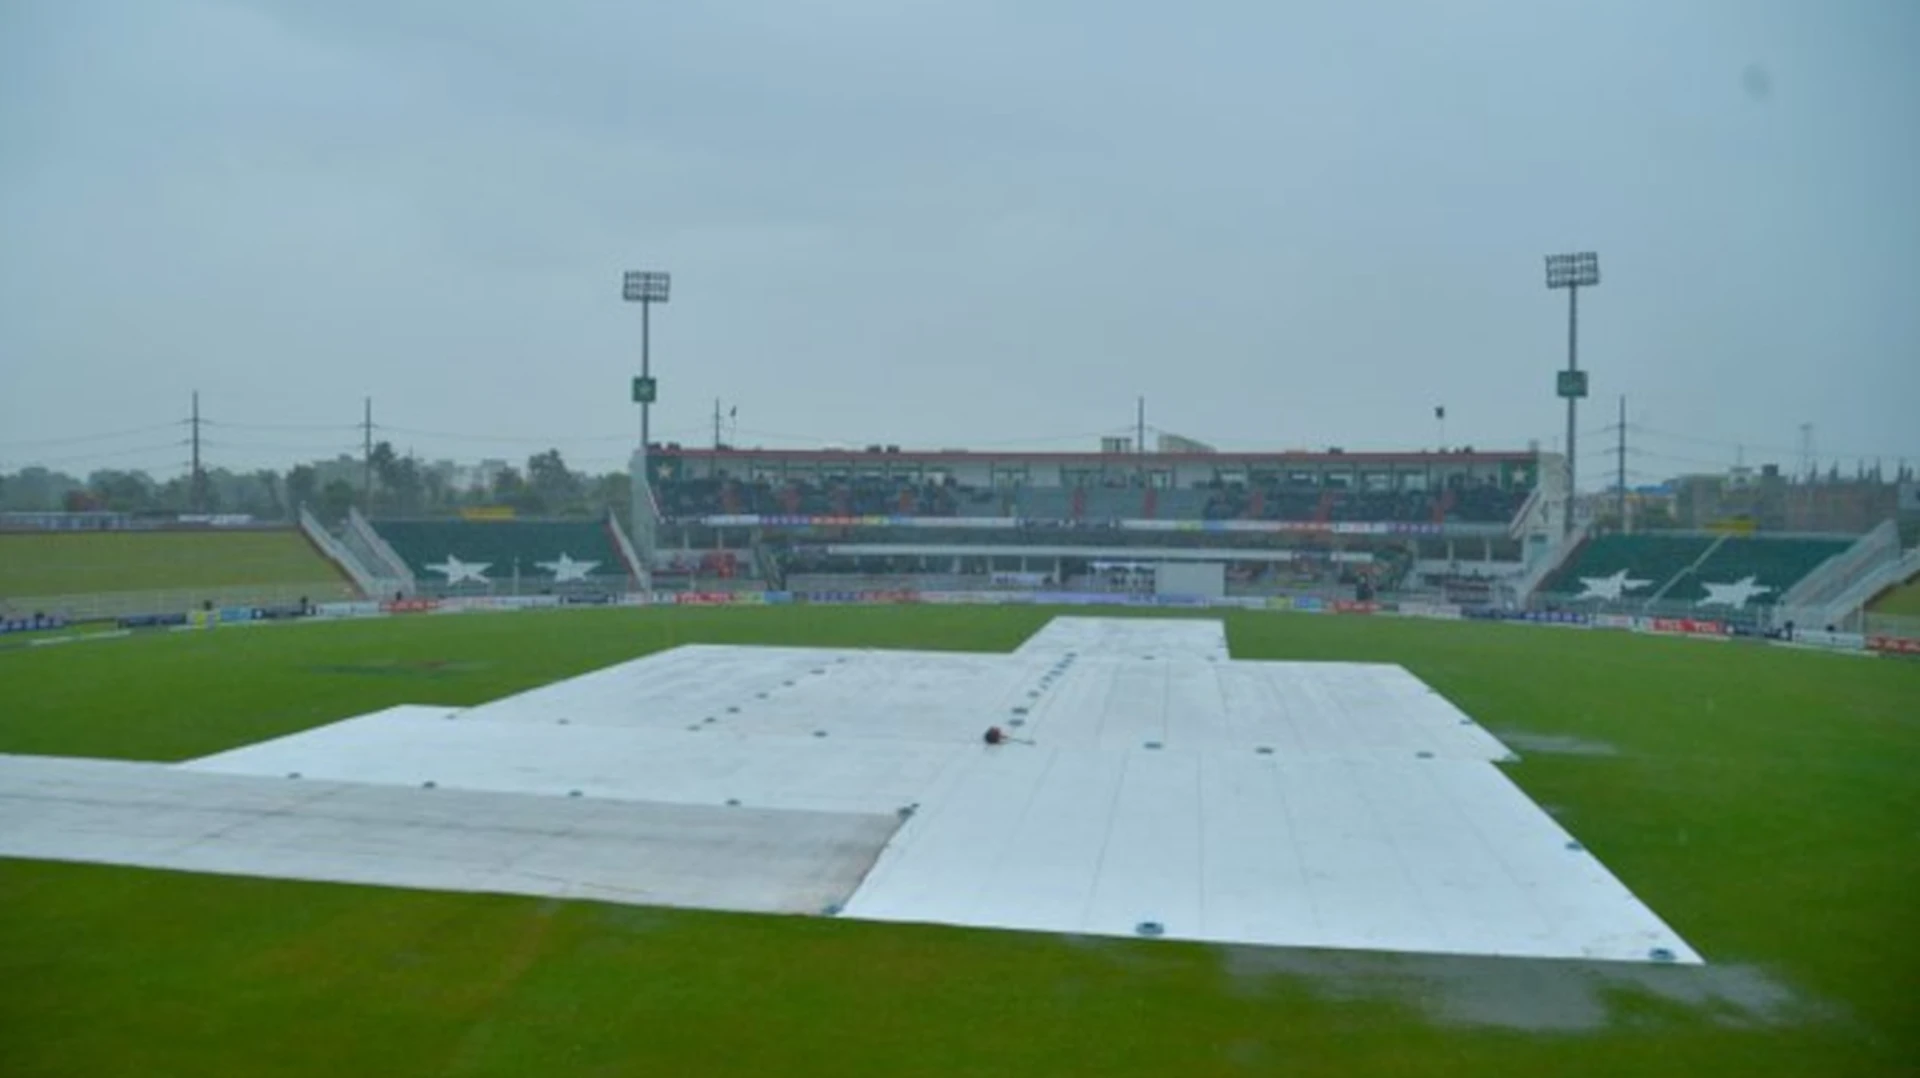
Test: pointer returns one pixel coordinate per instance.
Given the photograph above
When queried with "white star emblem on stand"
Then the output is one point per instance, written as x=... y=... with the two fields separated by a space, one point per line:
x=567 y=569
x=1609 y=588
x=456 y=570
x=1734 y=594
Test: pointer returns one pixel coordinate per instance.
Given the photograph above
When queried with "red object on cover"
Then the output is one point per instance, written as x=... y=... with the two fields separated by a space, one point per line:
x=994 y=735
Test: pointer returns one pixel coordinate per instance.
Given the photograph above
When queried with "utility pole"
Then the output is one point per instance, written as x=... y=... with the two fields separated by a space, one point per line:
x=716 y=422
x=366 y=456
x=1621 y=479
x=197 y=479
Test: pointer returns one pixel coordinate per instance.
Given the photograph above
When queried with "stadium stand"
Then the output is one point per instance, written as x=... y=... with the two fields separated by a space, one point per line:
x=533 y=552
x=1680 y=568
x=693 y=498
x=1652 y=559
x=1773 y=563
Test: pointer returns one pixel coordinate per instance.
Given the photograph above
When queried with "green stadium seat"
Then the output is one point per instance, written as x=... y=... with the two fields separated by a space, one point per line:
x=485 y=554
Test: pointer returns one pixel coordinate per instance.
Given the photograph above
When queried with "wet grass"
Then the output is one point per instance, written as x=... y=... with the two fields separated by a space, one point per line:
x=80 y=563
x=1761 y=800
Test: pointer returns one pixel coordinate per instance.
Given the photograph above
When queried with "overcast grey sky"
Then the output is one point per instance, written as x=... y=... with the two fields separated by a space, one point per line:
x=954 y=222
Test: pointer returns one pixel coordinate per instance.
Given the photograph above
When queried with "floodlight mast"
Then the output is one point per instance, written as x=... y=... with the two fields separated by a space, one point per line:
x=645 y=287
x=1572 y=272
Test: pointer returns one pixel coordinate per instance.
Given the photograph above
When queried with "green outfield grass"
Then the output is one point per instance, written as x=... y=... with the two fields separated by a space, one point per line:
x=1904 y=600
x=52 y=563
x=1762 y=800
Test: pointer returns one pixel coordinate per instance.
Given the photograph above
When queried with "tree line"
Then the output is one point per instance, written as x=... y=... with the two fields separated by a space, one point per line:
x=401 y=486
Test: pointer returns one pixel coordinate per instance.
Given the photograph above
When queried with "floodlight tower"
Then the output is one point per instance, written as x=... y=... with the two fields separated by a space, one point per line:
x=646 y=288
x=1572 y=272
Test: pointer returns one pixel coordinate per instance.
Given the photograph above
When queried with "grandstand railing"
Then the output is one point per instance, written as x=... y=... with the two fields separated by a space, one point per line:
x=807 y=582
x=1752 y=615
x=1521 y=524
x=636 y=566
x=1903 y=626
x=117 y=604
x=1009 y=523
x=382 y=556
x=1821 y=587
x=1550 y=562
x=1848 y=608
x=337 y=552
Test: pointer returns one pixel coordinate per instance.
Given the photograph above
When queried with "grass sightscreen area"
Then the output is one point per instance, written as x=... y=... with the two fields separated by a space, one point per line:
x=78 y=563
x=1761 y=800
x=1903 y=600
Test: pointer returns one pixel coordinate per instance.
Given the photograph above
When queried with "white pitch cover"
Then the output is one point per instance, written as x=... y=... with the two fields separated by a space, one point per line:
x=1149 y=785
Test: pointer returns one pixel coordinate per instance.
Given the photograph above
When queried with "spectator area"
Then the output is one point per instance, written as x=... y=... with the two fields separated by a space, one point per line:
x=502 y=549
x=1466 y=503
x=1775 y=564
x=1654 y=559
x=1685 y=564
x=36 y=564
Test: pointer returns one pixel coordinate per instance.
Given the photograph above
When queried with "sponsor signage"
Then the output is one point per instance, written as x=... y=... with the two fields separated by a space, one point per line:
x=1893 y=645
x=1532 y=617
x=754 y=520
x=1687 y=626
x=409 y=606
x=974 y=598
x=1436 y=611
x=347 y=610
x=32 y=624
x=1614 y=621
x=151 y=621
x=1349 y=606
x=1083 y=598
x=475 y=603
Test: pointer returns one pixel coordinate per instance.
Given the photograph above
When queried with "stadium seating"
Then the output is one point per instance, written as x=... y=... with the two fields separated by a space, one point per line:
x=528 y=549
x=1654 y=559
x=1675 y=563
x=1775 y=564
x=1189 y=503
x=871 y=496
x=1043 y=503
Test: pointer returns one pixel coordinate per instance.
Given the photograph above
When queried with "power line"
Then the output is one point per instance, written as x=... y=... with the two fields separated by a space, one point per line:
x=282 y=426
x=1785 y=451
x=75 y=439
x=106 y=454
x=504 y=438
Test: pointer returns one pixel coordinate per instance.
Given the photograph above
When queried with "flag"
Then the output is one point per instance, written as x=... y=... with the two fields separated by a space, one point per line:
x=733 y=411
x=1440 y=411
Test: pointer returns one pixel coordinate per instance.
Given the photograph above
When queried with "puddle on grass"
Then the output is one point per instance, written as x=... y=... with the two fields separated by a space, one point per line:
x=1554 y=744
x=1531 y=994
